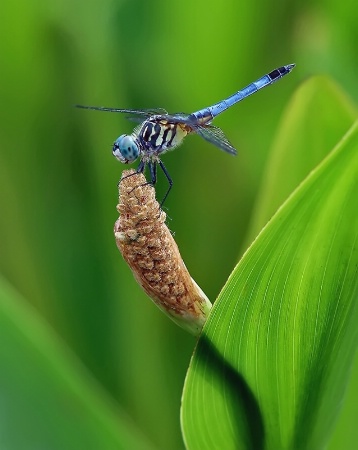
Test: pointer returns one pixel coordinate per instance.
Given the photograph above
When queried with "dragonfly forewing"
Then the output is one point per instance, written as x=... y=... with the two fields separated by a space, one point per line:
x=216 y=136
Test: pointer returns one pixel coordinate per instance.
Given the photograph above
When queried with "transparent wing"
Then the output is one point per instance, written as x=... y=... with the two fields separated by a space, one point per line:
x=178 y=118
x=137 y=129
x=172 y=118
x=137 y=119
x=215 y=136
x=132 y=112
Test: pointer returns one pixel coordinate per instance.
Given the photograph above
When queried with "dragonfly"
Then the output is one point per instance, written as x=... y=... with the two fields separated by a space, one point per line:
x=159 y=131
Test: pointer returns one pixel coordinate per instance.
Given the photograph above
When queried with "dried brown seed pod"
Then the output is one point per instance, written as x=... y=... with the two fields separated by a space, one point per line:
x=149 y=248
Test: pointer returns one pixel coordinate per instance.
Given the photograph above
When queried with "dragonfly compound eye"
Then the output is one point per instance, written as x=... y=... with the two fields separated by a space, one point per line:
x=125 y=149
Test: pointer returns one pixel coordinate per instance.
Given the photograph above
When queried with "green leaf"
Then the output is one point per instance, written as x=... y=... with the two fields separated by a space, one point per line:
x=48 y=399
x=345 y=432
x=272 y=364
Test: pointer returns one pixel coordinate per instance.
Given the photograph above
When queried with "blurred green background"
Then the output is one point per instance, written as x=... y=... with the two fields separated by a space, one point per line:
x=58 y=178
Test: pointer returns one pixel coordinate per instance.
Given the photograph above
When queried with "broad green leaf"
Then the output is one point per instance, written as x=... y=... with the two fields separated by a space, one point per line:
x=319 y=104
x=272 y=364
x=318 y=115
x=48 y=400
x=345 y=433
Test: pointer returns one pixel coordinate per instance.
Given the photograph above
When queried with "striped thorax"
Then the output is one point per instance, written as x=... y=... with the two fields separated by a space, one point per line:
x=158 y=135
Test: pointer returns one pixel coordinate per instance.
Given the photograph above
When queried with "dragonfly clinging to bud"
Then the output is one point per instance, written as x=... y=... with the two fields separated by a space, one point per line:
x=159 y=131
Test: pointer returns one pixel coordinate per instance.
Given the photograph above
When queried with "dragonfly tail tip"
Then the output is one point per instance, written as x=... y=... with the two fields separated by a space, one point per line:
x=291 y=66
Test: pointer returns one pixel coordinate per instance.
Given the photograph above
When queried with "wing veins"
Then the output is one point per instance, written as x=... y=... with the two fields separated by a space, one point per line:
x=135 y=112
x=216 y=136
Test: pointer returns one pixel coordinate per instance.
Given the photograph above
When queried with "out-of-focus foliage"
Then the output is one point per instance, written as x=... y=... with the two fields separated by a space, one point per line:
x=48 y=393
x=58 y=178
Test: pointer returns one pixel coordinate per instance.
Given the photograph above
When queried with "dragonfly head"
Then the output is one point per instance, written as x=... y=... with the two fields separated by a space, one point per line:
x=125 y=149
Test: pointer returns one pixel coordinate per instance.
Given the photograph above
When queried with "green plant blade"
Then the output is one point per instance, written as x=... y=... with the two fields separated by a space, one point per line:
x=272 y=364
x=300 y=144
x=345 y=432
x=48 y=400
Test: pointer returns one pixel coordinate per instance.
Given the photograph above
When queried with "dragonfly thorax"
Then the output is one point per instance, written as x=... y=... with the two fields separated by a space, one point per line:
x=158 y=135
x=126 y=149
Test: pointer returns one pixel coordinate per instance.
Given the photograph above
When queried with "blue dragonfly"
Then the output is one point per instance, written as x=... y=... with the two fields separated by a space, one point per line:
x=159 y=131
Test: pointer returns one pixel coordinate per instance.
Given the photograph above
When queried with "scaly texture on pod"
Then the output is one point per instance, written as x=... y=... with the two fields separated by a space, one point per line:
x=148 y=247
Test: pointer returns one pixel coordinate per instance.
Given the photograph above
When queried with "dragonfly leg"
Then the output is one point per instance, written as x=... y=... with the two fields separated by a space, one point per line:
x=152 y=165
x=140 y=169
x=153 y=172
x=170 y=181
